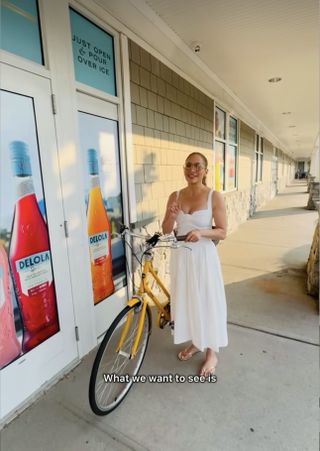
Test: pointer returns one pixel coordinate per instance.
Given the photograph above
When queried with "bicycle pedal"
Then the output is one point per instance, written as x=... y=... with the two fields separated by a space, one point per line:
x=124 y=354
x=161 y=322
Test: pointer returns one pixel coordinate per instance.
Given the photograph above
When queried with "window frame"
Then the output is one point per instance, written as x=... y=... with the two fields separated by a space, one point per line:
x=85 y=87
x=24 y=62
x=258 y=158
x=109 y=29
x=227 y=142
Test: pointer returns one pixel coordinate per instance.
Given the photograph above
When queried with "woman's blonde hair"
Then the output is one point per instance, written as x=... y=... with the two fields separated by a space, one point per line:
x=205 y=161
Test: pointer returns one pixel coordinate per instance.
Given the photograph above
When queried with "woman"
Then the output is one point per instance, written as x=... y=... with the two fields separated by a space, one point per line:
x=197 y=290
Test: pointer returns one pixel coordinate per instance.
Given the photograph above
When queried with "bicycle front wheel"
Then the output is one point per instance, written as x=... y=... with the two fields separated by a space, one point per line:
x=113 y=369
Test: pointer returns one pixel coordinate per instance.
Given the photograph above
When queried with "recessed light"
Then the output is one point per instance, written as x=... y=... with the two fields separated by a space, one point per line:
x=286 y=112
x=274 y=79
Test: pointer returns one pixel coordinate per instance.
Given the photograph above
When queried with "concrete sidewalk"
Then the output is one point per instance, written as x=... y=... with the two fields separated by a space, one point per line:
x=266 y=394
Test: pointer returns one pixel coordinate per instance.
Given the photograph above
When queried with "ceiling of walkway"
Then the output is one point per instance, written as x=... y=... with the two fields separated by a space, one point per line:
x=243 y=44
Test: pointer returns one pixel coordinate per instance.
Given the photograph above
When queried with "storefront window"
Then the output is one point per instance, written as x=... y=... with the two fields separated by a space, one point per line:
x=20 y=29
x=261 y=160
x=258 y=159
x=28 y=309
x=100 y=153
x=226 y=150
x=232 y=162
x=93 y=54
x=220 y=124
x=233 y=130
x=220 y=159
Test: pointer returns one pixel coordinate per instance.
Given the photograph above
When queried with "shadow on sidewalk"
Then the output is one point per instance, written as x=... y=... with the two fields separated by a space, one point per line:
x=295 y=193
x=280 y=212
x=276 y=303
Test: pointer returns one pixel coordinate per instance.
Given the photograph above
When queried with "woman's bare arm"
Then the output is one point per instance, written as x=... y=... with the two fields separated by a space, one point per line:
x=171 y=213
x=219 y=215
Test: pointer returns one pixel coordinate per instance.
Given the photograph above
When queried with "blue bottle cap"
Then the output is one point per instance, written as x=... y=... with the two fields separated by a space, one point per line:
x=20 y=160
x=93 y=162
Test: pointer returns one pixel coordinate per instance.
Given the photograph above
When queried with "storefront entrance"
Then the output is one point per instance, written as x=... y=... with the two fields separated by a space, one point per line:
x=37 y=335
x=102 y=193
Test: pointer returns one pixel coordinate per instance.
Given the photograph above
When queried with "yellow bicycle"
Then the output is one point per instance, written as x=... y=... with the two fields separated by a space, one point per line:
x=124 y=346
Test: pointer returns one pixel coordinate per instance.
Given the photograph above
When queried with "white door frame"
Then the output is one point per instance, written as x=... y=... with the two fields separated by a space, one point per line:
x=106 y=310
x=23 y=377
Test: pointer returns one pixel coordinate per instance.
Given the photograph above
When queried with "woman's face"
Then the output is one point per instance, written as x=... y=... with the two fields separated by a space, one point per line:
x=194 y=169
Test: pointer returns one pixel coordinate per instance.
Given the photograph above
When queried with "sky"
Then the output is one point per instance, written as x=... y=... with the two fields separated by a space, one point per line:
x=17 y=122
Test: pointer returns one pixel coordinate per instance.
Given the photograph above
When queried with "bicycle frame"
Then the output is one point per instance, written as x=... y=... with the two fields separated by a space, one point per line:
x=141 y=296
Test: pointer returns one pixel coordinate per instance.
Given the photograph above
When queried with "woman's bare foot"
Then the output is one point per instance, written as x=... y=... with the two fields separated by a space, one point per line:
x=188 y=352
x=210 y=363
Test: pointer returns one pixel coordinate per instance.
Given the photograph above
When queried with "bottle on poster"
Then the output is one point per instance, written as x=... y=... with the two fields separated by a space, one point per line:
x=30 y=257
x=99 y=234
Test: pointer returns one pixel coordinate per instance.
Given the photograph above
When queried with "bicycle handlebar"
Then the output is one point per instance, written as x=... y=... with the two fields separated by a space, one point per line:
x=152 y=240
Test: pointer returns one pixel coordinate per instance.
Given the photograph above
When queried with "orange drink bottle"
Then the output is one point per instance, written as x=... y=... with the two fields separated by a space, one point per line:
x=98 y=226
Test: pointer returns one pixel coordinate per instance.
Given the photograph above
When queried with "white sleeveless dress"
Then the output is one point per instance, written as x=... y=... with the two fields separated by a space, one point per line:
x=198 y=303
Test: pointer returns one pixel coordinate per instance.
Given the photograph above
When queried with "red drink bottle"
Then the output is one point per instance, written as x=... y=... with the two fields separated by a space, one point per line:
x=10 y=347
x=30 y=257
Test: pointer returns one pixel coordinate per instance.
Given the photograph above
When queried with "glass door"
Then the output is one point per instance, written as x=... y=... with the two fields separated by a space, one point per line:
x=37 y=330
x=102 y=194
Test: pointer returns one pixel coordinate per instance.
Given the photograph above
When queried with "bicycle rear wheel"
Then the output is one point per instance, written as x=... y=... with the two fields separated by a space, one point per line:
x=112 y=371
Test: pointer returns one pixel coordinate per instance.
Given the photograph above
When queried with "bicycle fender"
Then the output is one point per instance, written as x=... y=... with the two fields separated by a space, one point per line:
x=134 y=301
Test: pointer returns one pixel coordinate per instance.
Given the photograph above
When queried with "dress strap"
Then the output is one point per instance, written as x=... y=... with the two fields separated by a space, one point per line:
x=209 y=205
x=177 y=197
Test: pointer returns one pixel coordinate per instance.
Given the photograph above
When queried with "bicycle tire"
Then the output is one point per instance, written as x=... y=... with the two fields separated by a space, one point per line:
x=106 y=395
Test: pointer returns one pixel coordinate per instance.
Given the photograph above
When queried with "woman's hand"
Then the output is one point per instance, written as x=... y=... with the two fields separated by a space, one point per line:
x=194 y=235
x=173 y=210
